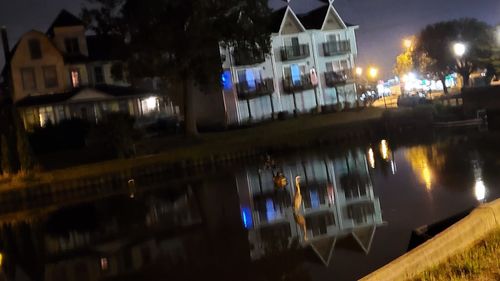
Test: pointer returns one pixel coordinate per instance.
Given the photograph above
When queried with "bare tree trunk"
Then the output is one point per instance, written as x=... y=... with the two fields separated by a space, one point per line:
x=466 y=77
x=443 y=80
x=191 y=130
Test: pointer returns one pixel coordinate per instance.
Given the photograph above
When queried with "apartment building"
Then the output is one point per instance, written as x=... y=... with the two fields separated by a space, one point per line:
x=310 y=67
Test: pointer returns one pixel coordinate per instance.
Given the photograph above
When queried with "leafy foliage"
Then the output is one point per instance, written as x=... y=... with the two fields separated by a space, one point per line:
x=404 y=63
x=436 y=42
x=179 y=40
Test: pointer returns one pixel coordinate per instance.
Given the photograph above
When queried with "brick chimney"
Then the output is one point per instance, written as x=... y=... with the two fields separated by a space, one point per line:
x=5 y=44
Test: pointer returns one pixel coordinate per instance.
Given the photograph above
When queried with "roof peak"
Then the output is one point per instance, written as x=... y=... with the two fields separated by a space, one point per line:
x=64 y=19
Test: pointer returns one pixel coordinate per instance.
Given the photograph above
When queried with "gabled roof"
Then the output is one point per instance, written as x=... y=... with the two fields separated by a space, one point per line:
x=290 y=15
x=333 y=12
x=64 y=19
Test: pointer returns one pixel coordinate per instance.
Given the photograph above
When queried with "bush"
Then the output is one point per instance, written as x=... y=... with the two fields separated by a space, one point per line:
x=67 y=134
x=116 y=132
x=283 y=115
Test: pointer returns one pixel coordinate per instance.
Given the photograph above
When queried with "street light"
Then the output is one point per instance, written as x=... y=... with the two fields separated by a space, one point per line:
x=359 y=71
x=459 y=49
x=373 y=72
x=407 y=43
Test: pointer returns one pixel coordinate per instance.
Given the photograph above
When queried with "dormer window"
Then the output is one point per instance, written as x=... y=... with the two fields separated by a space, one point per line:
x=72 y=46
x=35 y=49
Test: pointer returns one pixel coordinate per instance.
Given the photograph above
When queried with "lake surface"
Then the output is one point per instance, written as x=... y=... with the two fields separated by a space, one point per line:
x=355 y=213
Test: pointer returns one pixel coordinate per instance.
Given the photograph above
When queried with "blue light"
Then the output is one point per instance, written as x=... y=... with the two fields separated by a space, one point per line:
x=227 y=84
x=295 y=71
x=246 y=216
x=314 y=198
x=270 y=212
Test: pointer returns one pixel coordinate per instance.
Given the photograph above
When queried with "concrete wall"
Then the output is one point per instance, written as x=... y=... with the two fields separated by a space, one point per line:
x=453 y=240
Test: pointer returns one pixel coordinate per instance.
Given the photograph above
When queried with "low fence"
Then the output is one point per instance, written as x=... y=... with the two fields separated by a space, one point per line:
x=453 y=240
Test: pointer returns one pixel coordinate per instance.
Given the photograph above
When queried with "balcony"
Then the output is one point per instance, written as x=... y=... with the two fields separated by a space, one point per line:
x=248 y=58
x=295 y=52
x=298 y=85
x=256 y=89
x=334 y=78
x=335 y=48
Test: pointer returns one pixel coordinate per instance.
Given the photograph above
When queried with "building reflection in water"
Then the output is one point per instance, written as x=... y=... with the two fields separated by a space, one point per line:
x=173 y=230
x=337 y=203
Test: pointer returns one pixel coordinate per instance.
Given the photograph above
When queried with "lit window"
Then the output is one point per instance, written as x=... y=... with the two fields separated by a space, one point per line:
x=46 y=115
x=104 y=264
x=149 y=105
x=75 y=78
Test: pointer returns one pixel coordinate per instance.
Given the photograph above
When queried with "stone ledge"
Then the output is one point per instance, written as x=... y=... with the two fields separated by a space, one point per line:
x=453 y=240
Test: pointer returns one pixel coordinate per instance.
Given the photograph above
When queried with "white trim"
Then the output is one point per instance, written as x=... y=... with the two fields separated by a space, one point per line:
x=331 y=8
x=289 y=10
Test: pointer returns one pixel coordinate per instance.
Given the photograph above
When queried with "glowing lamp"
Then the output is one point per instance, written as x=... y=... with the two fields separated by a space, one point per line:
x=459 y=49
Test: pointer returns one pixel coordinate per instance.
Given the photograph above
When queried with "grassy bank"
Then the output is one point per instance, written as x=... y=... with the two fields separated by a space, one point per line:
x=288 y=133
x=480 y=263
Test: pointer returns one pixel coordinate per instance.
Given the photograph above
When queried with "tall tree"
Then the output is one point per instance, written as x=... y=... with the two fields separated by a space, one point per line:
x=179 y=40
x=24 y=152
x=6 y=160
x=404 y=64
x=436 y=42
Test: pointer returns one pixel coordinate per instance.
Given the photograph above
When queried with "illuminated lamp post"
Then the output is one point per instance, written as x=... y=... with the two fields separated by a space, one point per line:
x=459 y=49
x=373 y=72
x=358 y=72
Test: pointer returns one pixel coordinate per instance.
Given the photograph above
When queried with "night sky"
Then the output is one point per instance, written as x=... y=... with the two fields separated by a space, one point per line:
x=383 y=23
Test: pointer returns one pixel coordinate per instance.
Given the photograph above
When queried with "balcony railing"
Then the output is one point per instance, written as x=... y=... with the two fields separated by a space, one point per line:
x=248 y=58
x=334 y=48
x=294 y=52
x=255 y=89
x=334 y=78
x=296 y=85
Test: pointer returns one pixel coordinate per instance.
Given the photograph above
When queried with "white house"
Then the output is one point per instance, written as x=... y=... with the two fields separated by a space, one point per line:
x=310 y=66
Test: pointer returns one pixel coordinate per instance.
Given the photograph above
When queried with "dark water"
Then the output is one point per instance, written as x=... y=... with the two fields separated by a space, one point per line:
x=358 y=207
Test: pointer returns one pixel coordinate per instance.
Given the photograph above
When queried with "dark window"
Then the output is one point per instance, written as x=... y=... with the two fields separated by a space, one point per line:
x=72 y=46
x=117 y=71
x=35 y=50
x=99 y=75
x=50 y=76
x=28 y=77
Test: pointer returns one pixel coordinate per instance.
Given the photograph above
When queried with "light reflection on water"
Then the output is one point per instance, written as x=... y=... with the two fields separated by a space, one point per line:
x=243 y=221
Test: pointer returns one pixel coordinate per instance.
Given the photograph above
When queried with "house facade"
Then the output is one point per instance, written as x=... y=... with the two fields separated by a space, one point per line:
x=310 y=67
x=64 y=74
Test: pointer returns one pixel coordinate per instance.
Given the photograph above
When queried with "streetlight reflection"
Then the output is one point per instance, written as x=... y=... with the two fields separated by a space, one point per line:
x=371 y=158
x=384 y=150
x=480 y=190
